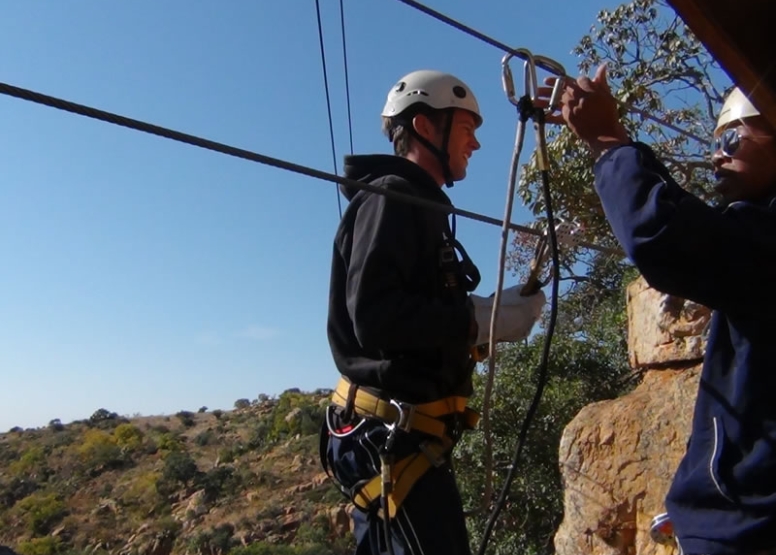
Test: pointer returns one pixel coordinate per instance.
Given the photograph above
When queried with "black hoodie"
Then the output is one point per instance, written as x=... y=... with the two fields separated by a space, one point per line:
x=393 y=325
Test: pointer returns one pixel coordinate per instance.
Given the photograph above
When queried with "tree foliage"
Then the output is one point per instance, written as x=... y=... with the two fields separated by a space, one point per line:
x=589 y=363
x=656 y=65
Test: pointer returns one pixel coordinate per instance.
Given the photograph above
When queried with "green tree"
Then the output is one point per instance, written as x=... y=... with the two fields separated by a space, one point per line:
x=242 y=404
x=656 y=65
x=186 y=417
x=589 y=363
x=102 y=415
x=180 y=467
x=219 y=481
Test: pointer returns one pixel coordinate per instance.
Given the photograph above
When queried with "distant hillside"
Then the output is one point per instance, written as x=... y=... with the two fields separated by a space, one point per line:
x=244 y=482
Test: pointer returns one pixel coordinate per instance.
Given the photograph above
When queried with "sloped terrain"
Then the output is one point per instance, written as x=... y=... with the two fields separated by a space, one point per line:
x=245 y=481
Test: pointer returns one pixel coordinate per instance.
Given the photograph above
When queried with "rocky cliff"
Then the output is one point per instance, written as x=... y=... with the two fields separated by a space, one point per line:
x=617 y=457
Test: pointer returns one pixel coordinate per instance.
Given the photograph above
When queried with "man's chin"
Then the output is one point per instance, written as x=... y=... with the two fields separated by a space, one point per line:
x=459 y=175
x=725 y=186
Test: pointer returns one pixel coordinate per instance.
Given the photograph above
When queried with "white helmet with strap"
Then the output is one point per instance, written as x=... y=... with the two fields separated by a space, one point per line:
x=433 y=88
x=736 y=107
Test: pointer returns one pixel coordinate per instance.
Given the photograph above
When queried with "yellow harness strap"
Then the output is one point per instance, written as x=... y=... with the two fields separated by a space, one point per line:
x=404 y=474
x=423 y=417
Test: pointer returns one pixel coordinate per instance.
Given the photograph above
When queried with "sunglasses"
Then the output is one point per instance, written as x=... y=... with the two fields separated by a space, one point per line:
x=728 y=142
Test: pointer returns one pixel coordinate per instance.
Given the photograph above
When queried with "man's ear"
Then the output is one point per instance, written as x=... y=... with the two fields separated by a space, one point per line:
x=423 y=126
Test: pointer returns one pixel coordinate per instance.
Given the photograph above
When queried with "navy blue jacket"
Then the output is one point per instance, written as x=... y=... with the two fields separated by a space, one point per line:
x=723 y=496
x=394 y=324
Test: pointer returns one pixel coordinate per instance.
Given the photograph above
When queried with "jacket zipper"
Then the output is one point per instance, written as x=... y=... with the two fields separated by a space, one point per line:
x=714 y=456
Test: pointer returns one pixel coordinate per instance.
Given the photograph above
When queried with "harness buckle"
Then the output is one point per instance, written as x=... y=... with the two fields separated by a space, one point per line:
x=403 y=418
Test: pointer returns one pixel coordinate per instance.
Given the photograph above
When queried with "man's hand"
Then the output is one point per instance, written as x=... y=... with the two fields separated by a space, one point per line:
x=589 y=110
x=516 y=314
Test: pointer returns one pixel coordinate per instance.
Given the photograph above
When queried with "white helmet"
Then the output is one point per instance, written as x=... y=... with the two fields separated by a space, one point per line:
x=736 y=107
x=433 y=88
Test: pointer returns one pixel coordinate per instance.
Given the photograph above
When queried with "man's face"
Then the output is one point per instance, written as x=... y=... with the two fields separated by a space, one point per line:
x=462 y=142
x=744 y=160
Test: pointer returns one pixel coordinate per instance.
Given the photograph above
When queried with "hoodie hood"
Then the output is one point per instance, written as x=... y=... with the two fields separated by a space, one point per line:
x=368 y=168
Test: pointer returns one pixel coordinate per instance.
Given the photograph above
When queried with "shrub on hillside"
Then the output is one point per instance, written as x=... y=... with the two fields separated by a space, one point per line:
x=128 y=437
x=99 y=451
x=219 y=481
x=295 y=413
x=207 y=437
x=179 y=467
x=31 y=463
x=216 y=540
x=15 y=489
x=40 y=546
x=102 y=415
x=186 y=418
x=170 y=442
x=41 y=512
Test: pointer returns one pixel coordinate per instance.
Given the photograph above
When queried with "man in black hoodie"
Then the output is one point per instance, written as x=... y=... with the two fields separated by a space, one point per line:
x=403 y=323
x=723 y=497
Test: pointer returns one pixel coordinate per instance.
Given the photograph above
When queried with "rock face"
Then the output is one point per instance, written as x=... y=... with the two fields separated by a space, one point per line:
x=618 y=457
x=663 y=330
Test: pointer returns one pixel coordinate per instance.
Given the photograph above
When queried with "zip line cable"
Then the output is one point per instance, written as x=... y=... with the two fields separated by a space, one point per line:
x=347 y=80
x=539 y=63
x=207 y=144
x=328 y=103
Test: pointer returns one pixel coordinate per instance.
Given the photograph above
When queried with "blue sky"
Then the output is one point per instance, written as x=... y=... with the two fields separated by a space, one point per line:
x=146 y=276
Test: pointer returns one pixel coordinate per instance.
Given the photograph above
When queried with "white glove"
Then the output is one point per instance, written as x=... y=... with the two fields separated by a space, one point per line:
x=516 y=314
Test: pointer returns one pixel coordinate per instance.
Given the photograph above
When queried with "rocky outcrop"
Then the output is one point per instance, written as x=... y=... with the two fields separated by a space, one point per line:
x=340 y=520
x=147 y=542
x=663 y=330
x=618 y=457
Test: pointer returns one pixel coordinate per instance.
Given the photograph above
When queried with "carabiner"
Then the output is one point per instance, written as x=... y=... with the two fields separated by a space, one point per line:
x=557 y=69
x=506 y=74
x=530 y=80
x=568 y=234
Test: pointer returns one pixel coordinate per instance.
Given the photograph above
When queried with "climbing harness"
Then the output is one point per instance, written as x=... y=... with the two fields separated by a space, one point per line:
x=441 y=422
x=458 y=271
